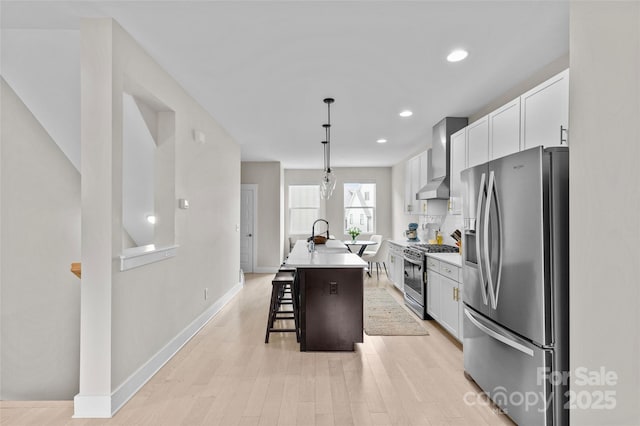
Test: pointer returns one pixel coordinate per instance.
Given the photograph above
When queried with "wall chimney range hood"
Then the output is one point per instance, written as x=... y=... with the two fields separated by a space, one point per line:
x=440 y=159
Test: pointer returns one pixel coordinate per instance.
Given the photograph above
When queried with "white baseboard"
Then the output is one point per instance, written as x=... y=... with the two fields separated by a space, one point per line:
x=265 y=269
x=87 y=406
x=92 y=406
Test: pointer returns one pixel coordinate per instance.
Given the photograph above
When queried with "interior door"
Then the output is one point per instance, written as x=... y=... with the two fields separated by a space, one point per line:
x=247 y=218
x=521 y=294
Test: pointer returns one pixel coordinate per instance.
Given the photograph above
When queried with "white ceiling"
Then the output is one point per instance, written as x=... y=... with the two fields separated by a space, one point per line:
x=262 y=68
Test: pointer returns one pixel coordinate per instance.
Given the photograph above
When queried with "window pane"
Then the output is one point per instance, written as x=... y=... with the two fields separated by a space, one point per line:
x=304 y=196
x=361 y=217
x=360 y=206
x=304 y=207
x=301 y=220
x=359 y=194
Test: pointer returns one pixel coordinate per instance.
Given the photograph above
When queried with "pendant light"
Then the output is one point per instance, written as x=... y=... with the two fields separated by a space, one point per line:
x=328 y=183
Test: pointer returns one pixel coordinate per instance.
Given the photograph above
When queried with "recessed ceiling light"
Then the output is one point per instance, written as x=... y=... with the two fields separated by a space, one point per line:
x=406 y=113
x=151 y=219
x=457 y=55
x=382 y=140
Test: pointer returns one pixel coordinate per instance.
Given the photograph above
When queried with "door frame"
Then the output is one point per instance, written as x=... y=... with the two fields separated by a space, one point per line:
x=254 y=245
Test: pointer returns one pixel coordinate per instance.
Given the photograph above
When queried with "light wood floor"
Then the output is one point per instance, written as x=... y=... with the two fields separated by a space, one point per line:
x=226 y=375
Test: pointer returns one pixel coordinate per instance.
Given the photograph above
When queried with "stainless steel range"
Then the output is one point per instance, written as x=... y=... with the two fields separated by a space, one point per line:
x=415 y=275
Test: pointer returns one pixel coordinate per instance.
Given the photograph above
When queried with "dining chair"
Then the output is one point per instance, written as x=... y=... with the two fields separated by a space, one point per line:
x=372 y=249
x=380 y=256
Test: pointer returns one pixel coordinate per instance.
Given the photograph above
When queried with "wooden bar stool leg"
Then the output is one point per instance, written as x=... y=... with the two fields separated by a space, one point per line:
x=273 y=307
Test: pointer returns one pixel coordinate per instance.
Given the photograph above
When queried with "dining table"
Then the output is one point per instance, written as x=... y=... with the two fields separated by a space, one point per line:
x=362 y=244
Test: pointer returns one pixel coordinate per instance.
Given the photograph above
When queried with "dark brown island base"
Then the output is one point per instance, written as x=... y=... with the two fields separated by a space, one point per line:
x=330 y=283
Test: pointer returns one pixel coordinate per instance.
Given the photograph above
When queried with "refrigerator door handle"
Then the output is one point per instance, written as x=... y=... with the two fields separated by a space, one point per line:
x=481 y=195
x=500 y=245
x=485 y=226
x=500 y=337
x=492 y=191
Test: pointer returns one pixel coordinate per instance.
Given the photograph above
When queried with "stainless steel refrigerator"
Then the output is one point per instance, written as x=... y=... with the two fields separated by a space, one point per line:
x=516 y=283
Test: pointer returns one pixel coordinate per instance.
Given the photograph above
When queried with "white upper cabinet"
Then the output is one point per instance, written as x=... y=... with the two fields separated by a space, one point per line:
x=478 y=142
x=538 y=117
x=409 y=195
x=411 y=185
x=423 y=180
x=545 y=113
x=424 y=169
x=458 y=164
x=504 y=130
x=416 y=176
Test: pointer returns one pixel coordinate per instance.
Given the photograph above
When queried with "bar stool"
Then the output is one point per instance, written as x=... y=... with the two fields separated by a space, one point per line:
x=283 y=292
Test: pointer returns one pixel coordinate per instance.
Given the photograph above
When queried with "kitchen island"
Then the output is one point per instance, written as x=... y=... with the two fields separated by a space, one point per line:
x=330 y=283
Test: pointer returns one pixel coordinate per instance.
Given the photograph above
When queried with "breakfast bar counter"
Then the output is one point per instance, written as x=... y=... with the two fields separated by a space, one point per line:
x=330 y=283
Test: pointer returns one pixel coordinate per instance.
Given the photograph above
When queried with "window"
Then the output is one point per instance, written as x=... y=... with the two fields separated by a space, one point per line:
x=304 y=207
x=360 y=206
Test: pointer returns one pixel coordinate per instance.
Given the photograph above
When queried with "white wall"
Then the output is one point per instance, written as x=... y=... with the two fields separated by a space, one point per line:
x=132 y=321
x=604 y=123
x=269 y=235
x=40 y=227
x=334 y=207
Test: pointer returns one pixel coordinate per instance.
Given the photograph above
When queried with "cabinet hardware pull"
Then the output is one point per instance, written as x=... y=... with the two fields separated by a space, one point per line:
x=566 y=132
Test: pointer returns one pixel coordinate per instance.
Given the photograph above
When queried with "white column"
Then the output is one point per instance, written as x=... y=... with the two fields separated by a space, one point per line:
x=604 y=129
x=96 y=133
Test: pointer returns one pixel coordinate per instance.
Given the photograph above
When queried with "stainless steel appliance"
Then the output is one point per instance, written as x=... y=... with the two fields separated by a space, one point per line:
x=516 y=279
x=440 y=159
x=415 y=275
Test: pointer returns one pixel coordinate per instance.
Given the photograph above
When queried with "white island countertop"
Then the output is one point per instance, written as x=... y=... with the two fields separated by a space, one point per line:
x=333 y=254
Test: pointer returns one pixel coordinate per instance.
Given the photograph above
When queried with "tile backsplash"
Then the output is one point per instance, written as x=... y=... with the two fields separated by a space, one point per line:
x=450 y=223
x=446 y=223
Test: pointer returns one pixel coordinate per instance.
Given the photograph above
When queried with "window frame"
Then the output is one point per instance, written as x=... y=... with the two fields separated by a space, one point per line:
x=374 y=219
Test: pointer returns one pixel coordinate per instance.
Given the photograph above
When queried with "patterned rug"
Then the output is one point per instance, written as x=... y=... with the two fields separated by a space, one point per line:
x=383 y=316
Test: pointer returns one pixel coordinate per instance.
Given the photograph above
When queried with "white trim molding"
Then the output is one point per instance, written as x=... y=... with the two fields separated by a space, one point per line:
x=139 y=256
x=92 y=406
x=265 y=269
x=101 y=406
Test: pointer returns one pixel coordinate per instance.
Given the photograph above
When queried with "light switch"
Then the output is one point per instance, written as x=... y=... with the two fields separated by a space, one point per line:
x=183 y=203
x=199 y=136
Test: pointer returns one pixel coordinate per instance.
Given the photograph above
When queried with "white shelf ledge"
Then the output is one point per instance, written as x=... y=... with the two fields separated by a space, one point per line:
x=139 y=256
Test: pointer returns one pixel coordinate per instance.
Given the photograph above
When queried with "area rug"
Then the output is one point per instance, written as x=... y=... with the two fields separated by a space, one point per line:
x=383 y=316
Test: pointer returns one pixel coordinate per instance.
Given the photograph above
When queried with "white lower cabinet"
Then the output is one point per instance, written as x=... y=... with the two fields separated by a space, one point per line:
x=444 y=301
x=449 y=305
x=395 y=266
x=433 y=294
